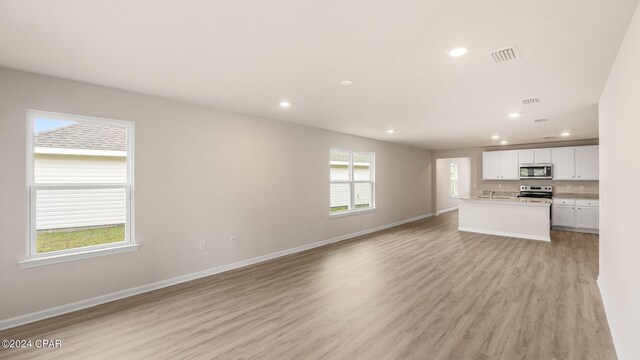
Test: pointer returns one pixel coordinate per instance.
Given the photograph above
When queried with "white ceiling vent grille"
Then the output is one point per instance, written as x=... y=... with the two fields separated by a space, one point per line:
x=506 y=54
x=541 y=120
x=530 y=101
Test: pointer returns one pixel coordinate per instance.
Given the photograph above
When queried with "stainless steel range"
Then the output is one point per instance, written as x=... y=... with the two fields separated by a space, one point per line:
x=536 y=193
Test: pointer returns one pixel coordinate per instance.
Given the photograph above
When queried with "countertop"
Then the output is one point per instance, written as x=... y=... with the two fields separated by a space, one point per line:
x=508 y=200
x=576 y=196
x=557 y=195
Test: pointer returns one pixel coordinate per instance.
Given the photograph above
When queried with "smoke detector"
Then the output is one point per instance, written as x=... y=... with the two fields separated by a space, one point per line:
x=541 y=120
x=505 y=54
x=530 y=101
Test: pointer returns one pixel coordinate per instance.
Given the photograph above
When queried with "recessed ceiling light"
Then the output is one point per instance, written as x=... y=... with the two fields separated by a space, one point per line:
x=390 y=131
x=495 y=137
x=503 y=142
x=346 y=82
x=565 y=134
x=457 y=52
x=285 y=104
x=514 y=115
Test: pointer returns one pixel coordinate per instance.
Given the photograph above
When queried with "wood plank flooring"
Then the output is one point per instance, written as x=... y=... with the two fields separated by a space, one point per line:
x=419 y=291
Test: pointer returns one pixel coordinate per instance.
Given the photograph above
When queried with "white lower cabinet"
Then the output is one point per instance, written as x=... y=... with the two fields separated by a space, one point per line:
x=577 y=214
x=587 y=214
x=563 y=215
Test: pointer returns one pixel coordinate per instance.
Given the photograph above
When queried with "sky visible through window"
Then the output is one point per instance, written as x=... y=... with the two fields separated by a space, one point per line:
x=42 y=124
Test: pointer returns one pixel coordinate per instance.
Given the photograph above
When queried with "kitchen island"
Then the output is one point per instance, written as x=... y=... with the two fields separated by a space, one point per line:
x=506 y=217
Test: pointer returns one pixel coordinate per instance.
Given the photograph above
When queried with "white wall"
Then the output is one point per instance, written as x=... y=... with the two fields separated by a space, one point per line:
x=619 y=278
x=444 y=201
x=193 y=182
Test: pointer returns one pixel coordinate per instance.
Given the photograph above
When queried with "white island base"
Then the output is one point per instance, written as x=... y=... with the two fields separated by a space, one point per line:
x=526 y=220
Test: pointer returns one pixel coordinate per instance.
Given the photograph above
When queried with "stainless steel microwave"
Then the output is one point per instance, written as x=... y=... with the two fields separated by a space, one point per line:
x=536 y=171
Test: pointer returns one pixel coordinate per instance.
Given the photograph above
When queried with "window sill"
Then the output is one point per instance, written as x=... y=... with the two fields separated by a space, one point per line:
x=55 y=259
x=354 y=212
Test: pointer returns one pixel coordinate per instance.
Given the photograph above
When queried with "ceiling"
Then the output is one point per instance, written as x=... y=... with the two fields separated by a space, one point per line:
x=248 y=56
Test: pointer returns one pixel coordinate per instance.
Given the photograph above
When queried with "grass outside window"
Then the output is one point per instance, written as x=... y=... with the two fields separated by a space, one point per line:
x=346 y=207
x=64 y=239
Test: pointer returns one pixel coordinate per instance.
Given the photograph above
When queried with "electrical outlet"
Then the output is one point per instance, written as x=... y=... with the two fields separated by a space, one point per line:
x=203 y=244
x=500 y=185
x=581 y=187
x=568 y=187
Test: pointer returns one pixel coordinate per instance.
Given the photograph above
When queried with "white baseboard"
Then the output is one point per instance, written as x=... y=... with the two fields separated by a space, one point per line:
x=503 y=233
x=605 y=302
x=574 y=229
x=446 y=210
x=83 y=304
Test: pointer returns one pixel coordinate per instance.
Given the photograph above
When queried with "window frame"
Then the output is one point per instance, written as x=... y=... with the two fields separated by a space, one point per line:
x=453 y=180
x=352 y=210
x=33 y=257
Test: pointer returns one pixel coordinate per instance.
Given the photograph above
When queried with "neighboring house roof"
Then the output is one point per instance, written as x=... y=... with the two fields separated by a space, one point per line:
x=84 y=136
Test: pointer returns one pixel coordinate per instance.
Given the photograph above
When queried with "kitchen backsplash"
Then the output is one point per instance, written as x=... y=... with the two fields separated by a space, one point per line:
x=575 y=189
x=567 y=195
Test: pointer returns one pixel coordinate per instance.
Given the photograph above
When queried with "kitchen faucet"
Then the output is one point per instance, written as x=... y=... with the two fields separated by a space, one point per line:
x=491 y=193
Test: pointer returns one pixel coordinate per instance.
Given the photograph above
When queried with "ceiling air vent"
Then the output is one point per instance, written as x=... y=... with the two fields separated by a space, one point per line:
x=506 y=54
x=541 y=120
x=530 y=101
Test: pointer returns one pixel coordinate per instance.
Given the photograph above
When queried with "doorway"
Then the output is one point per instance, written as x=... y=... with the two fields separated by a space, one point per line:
x=453 y=181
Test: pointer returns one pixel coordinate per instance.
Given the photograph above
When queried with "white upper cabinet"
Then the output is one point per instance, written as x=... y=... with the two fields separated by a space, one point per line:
x=542 y=156
x=491 y=165
x=563 y=160
x=500 y=165
x=509 y=167
x=526 y=156
x=534 y=156
x=587 y=165
x=569 y=163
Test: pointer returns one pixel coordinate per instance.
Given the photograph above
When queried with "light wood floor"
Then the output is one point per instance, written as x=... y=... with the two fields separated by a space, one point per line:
x=419 y=291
